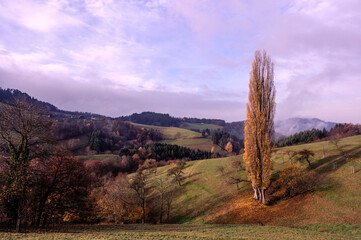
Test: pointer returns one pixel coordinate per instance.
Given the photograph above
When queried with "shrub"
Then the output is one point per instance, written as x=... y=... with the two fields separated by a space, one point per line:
x=295 y=180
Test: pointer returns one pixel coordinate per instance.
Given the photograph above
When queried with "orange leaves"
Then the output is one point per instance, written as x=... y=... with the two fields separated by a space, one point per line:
x=259 y=125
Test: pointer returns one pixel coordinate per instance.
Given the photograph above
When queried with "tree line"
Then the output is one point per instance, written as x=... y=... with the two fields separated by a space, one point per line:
x=313 y=135
x=42 y=183
x=161 y=119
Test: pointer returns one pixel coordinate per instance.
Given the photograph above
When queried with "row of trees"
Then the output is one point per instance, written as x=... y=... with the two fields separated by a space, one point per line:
x=161 y=119
x=303 y=137
x=152 y=118
x=338 y=131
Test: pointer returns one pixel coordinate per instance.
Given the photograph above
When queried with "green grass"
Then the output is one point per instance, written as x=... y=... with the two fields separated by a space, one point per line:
x=99 y=157
x=200 y=126
x=185 y=231
x=331 y=212
x=172 y=132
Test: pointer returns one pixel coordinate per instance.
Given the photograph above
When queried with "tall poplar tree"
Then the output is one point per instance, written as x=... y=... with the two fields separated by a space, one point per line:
x=259 y=127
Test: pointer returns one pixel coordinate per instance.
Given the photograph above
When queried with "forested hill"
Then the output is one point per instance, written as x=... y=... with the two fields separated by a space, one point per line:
x=8 y=95
x=165 y=120
x=152 y=118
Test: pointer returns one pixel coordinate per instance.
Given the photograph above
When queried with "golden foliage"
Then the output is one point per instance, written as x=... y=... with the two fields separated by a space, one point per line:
x=229 y=147
x=259 y=127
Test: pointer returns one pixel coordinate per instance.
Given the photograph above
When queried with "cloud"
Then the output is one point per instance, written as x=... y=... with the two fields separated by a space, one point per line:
x=109 y=101
x=157 y=52
x=35 y=16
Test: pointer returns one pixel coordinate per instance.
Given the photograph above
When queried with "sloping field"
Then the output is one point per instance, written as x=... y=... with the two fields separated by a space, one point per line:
x=205 y=197
x=201 y=126
x=171 y=132
x=204 y=144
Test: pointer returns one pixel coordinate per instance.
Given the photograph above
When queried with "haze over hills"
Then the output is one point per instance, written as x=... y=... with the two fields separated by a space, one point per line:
x=283 y=128
x=290 y=126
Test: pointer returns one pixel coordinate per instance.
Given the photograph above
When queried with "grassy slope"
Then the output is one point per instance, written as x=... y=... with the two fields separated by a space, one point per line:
x=204 y=144
x=206 y=198
x=184 y=137
x=329 y=213
x=171 y=132
x=176 y=232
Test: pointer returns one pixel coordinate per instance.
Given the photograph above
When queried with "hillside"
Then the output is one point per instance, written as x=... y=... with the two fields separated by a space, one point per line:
x=184 y=137
x=205 y=197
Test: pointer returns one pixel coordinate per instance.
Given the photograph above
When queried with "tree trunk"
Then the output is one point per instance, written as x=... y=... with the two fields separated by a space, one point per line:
x=18 y=221
x=255 y=195
x=161 y=209
x=263 y=197
x=143 y=211
x=40 y=212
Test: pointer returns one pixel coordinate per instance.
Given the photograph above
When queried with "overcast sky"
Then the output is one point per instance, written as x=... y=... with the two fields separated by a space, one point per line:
x=183 y=57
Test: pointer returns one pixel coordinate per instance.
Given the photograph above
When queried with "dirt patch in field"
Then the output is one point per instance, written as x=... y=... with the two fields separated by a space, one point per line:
x=245 y=210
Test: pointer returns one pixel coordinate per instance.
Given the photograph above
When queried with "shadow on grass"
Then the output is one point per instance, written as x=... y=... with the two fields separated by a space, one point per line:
x=325 y=165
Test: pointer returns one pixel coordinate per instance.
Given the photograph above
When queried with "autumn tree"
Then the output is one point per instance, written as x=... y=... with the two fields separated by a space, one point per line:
x=167 y=194
x=23 y=125
x=61 y=185
x=139 y=183
x=259 y=127
x=229 y=147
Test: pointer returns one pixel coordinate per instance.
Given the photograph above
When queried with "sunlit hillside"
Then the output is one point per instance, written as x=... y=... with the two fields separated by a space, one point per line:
x=206 y=197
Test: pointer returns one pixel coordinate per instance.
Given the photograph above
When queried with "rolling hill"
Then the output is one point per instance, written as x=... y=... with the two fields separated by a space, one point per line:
x=205 y=197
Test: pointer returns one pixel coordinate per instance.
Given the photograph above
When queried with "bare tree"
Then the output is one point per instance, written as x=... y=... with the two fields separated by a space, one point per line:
x=305 y=155
x=177 y=171
x=166 y=194
x=23 y=125
x=139 y=183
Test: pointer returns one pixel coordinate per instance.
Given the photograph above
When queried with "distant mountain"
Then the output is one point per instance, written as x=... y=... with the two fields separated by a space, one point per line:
x=290 y=126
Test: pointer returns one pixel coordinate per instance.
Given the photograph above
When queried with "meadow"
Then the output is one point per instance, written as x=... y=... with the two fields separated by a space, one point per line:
x=208 y=207
x=171 y=132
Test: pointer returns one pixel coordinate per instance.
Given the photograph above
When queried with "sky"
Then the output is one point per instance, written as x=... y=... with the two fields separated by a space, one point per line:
x=183 y=57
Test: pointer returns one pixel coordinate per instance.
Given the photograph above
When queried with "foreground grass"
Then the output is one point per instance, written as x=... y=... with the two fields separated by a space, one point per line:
x=186 y=231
